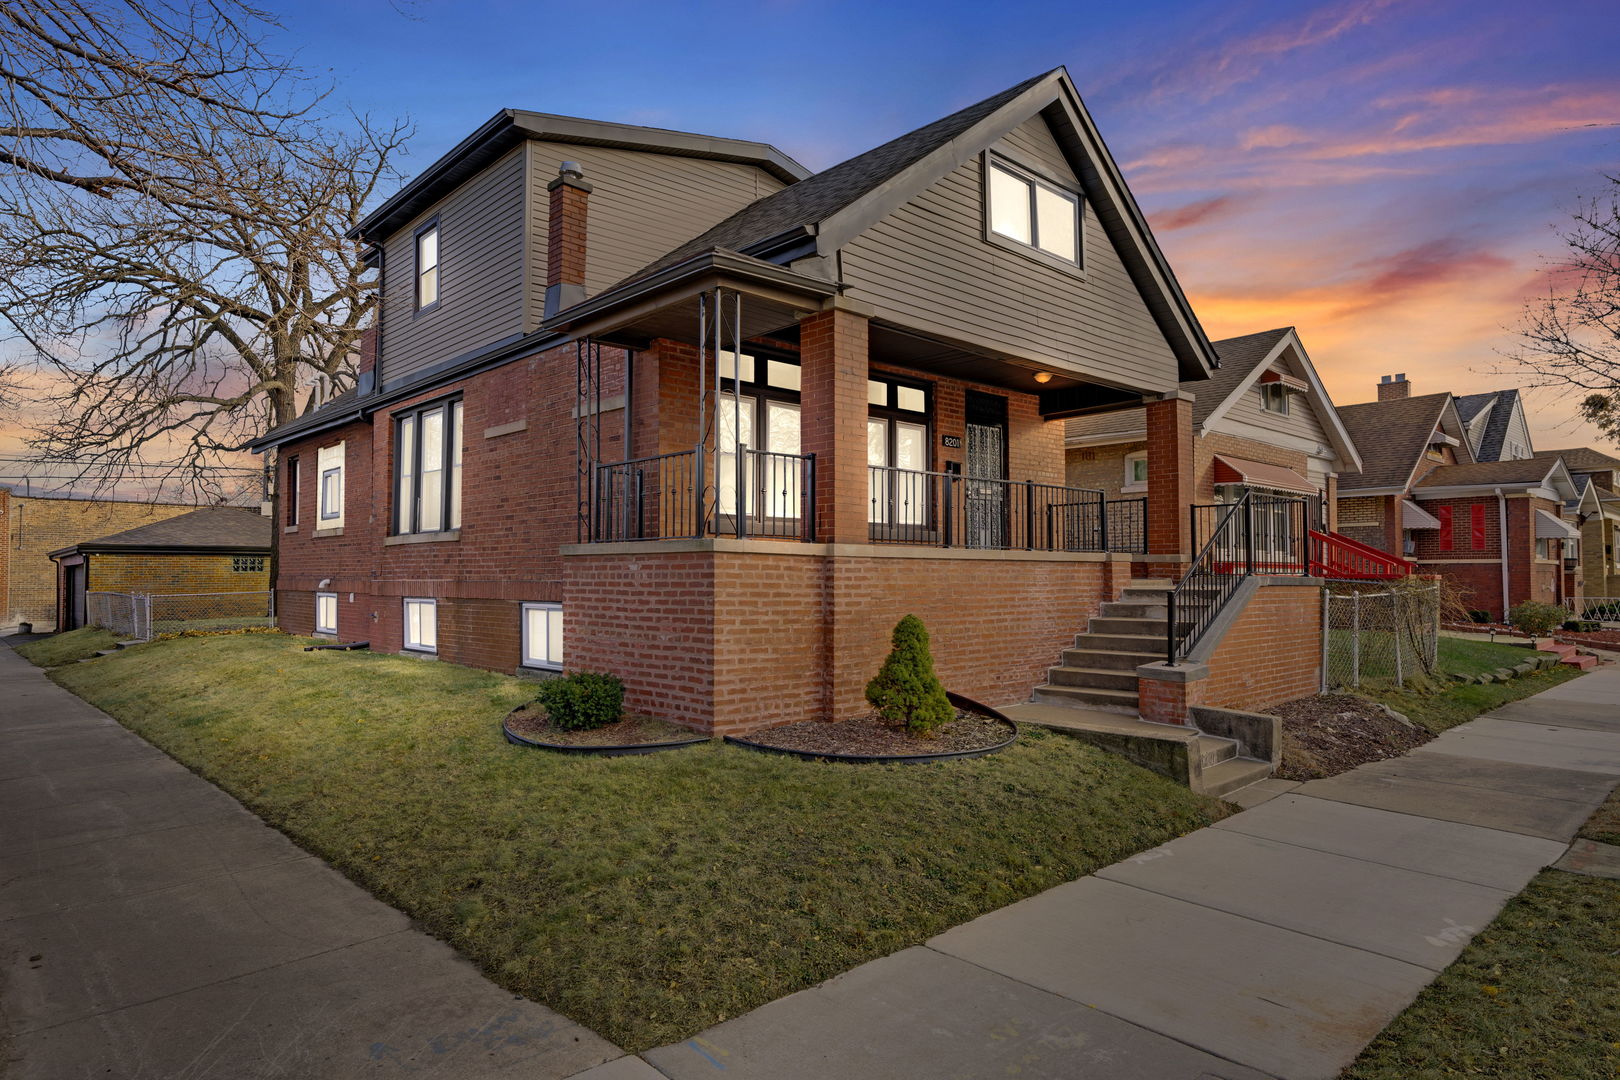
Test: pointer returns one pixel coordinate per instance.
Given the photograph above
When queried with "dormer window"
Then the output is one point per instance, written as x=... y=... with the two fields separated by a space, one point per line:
x=1033 y=212
x=1274 y=397
x=427 y=265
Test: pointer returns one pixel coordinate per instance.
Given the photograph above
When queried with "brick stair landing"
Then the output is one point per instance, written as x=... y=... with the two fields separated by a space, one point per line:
x=1568 y=654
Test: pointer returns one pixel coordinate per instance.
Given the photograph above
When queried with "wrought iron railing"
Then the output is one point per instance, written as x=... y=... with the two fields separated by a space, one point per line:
x=1257 y=534
x=676 y=496
x=935 y=509
x=1127 y=524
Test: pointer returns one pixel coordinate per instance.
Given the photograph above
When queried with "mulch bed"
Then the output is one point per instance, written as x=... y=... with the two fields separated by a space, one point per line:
x=1329 y=734
x=531 y=722
x=871 y=737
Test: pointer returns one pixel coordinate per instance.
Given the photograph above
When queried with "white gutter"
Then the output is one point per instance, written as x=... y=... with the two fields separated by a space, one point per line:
x=1501 y=517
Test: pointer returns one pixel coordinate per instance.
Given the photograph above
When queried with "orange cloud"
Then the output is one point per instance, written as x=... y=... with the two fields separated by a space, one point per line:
x=1194 y=213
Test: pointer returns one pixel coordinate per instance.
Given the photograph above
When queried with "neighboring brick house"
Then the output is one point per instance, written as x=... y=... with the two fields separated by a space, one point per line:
x=222 y=551
x=1262 y=422
x=35 y=525
x=669 y=405
x=1495 y=527
x=1595 y=510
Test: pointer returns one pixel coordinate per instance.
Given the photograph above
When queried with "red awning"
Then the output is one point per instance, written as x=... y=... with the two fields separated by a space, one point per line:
x=1235 y=470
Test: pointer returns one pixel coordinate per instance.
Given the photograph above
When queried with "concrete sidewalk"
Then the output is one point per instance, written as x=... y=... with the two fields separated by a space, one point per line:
x=1275 y=944
x=150 y=927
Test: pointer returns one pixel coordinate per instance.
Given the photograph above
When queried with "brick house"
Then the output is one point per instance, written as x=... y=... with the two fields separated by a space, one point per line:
x=671 y=406
x=35 y=525
x=1595 y=510
x=1262 y=422
x=217 y=550
x=1494 y=526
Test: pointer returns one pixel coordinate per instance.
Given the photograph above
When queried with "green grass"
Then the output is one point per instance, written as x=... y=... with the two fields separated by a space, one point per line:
x=1463 y=656
x=1442 y=707
x=68 y=647
x=1532 y=997
x=646 y=897
x=1604 y=825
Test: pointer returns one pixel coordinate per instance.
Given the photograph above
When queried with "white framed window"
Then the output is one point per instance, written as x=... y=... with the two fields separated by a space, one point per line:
x=427 y=469
x=543 y=636
x=1136 y=472
x=1033 y=212
x=1274 y=398
x=329 y=465
x=421 y=624
x=326 y=613
x=427 y=265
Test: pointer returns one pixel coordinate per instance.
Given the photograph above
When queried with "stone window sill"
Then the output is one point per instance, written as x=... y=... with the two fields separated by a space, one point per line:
x=1133 y=489
x=321 y=533
x=423 y=538
x=289 y=528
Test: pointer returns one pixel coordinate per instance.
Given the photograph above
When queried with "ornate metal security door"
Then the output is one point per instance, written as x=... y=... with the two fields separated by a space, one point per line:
x=984 y=489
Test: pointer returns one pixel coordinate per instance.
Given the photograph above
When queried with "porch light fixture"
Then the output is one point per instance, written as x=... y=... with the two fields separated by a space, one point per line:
x=1043 y=376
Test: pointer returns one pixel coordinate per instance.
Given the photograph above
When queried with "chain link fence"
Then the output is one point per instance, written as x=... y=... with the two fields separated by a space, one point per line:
x=1379 y=633
x=145 y=615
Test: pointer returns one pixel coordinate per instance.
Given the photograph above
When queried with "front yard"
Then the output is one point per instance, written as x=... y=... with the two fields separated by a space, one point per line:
x=646 y=897
x=1449 y=704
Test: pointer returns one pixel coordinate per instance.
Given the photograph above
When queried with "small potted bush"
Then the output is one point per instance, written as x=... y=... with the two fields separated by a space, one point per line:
x=583 y=700
x=1536 y=619
x=906 y=692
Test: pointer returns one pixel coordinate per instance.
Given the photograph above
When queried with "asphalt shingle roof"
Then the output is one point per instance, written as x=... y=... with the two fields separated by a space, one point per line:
x=1522 y=472
x=818 y=197
x=1583 y=457
x=225 y=527
x=1392 y=436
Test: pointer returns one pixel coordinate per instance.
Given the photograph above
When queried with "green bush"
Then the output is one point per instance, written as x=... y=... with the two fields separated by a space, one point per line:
x=1535 y=618
x=1583 y=626
x=583 y=700
x=1480 y=616
x=906 y=691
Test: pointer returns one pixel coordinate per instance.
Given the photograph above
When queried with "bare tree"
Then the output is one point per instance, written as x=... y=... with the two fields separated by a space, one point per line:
x=173 y=203
x=1570 y=338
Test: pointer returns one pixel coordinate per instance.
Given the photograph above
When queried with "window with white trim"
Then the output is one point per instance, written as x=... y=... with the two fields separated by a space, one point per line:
x=1033 y=212
x=427 y=265
x=427 y=469
x=1136 y=472
x=326 y=613
x=421 y=624
x=329 y=494
x=543 y=636
x=1274 y=398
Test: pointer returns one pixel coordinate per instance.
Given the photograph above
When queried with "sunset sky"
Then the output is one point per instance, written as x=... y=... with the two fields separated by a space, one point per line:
x=1386 y=176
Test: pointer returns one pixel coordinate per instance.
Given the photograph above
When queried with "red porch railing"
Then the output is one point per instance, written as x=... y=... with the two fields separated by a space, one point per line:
x=1334 y=555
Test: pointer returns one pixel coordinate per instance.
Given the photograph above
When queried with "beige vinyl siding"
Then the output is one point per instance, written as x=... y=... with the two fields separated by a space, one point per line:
x=480 y=275
x=928 y=266
x=1301 y=420
x=643 y=205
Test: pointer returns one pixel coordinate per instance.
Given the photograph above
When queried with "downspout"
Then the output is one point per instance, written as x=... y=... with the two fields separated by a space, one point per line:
x=1502 y=525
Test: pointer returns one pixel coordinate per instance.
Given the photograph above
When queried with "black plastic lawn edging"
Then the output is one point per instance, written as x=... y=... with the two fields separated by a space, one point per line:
x=966 y=704
x=607 y=750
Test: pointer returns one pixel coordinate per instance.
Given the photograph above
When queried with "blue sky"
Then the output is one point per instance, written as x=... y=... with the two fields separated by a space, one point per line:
x=1384 y=175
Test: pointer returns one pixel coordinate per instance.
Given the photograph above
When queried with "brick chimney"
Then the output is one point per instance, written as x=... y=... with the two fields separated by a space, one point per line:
x=565 y=241
x=1394 y=387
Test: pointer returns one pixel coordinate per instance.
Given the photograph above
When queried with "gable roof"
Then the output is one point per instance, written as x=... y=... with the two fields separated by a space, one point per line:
x=1583 y=458
x=825 y=211
x=223 y=528
x=1491 y=441
x=1392 y=436
x=1242 y=360
x=1520 y=473
x=1469 y=405
x=509 y=127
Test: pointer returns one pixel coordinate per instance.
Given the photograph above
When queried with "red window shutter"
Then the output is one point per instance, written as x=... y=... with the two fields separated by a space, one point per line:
x=1478 y=525
x=1444 y=514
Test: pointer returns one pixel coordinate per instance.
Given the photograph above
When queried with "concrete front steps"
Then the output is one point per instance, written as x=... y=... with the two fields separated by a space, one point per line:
x=1206 y=763
x=1099 y=673
x=1568 y=654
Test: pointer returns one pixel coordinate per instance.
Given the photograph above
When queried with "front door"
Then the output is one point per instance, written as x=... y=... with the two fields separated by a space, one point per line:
x=75 y=596
x=984 y=487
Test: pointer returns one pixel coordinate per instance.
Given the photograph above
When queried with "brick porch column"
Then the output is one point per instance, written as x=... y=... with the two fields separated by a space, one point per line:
x=1170 y=483
x=833 y=359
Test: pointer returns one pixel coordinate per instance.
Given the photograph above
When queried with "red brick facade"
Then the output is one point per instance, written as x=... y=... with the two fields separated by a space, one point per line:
x=1467 y=550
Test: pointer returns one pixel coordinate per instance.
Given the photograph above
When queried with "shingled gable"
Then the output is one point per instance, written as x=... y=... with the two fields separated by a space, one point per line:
x=212 y=528
x=815 y=217
x=1393 y=436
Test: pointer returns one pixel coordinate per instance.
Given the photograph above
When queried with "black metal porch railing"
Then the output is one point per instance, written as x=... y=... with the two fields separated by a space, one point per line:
x=670 y=497
x=934 y=509
x=1258 y=534
x=1127 y=524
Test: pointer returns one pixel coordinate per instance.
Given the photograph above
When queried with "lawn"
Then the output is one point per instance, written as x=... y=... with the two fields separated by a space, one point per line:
x=1532 y=997
x=646 y=897
x=1464 y=656
x=1604 y=826
x=68 y=647
x=1446 y=705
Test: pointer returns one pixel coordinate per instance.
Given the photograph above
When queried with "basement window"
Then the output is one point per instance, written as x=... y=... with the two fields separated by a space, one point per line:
x=1033 y=212
x=543 y=636
x=326 y=613
x=421 y=625
x=247 y=564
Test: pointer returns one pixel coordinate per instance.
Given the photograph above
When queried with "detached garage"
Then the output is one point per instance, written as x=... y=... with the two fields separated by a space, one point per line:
x=218 y=558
